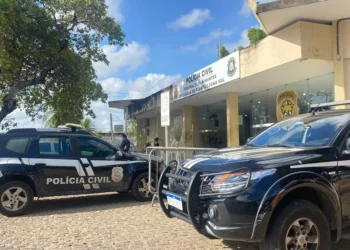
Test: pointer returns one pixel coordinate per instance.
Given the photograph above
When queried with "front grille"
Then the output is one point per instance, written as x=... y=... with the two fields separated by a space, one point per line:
x=180 y=186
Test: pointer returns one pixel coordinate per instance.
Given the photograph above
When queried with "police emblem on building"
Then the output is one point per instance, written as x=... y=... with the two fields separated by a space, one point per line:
x=231 y=67
x=117 y=174
x=287 y=104
x=175 y=91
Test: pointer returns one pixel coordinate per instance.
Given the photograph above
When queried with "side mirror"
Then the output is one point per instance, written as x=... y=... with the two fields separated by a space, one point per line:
x=249 y=139
x=347 y=151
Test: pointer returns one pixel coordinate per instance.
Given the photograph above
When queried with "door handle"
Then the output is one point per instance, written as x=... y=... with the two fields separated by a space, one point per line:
x=85 y=165
x=40 y=164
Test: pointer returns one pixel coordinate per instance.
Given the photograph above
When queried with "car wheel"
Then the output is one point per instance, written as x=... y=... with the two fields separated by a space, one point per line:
x=300 y=225
x=139 y=187
x=15 y=198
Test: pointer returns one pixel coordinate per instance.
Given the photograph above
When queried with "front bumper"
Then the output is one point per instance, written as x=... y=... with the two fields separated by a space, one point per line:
x=232 y=219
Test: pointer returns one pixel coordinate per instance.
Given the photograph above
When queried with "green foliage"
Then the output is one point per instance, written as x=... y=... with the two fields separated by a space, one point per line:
x=239 y=48
x=131 y=128
x=222 y=51
x=255 y=35
x=46 y=52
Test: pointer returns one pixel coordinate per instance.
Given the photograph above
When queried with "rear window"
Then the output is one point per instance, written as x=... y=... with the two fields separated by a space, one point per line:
x=17 y=145
x=54 y=146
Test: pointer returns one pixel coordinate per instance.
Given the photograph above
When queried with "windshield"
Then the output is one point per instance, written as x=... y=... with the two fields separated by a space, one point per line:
x=308 y=131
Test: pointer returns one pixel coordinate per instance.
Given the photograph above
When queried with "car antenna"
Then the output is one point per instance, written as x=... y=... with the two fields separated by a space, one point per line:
x=314 y=111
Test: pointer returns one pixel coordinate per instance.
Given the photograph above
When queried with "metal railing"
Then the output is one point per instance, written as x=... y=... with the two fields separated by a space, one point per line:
x=180 y=154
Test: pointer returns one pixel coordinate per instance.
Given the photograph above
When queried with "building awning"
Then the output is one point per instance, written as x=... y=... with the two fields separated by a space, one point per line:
x=121 y=104
x=276 y=15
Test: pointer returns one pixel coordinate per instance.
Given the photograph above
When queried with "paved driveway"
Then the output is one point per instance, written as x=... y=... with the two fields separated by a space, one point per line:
x=108 y=221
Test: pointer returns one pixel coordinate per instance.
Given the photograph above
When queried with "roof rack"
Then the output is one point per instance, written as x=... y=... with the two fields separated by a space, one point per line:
x=46 y=130
x=327 y=106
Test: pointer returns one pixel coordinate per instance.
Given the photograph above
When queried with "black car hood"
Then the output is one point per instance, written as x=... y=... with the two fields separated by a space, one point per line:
x=254 y=158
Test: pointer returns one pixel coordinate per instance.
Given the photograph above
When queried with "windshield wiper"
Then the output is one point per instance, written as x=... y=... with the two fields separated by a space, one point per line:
x=252 y=145
x=278 y=145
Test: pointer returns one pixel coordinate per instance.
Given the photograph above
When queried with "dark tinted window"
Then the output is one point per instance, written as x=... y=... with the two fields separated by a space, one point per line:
x=306 y=132
x=93 y=148
x=55 y=146
x=17 y=145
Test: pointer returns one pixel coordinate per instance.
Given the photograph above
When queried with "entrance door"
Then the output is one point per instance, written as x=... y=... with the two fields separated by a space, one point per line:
x=104 y=165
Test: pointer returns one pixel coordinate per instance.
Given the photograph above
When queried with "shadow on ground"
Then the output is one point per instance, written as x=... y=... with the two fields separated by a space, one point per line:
x=80 y=204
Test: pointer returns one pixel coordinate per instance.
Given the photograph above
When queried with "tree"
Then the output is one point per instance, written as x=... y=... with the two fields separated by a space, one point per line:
x=132 y=128
x=46 y=52
x=239 y=48
x=222 y=51
x=255 y=35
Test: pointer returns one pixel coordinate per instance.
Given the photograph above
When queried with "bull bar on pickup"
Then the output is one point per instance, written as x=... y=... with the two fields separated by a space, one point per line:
x=193 y=213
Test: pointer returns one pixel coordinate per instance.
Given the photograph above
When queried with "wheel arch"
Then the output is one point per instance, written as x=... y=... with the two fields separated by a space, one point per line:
x=317 y=190
x=140 y=171
x=22 y=178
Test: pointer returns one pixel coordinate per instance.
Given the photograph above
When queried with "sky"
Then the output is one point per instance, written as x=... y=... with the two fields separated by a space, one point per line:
x=167 y=40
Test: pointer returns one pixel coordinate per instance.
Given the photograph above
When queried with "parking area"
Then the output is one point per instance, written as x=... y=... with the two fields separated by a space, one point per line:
x=107 y=221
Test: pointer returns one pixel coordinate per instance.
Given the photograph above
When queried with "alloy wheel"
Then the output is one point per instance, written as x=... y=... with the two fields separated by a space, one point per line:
x=143 y=187
x=303 y=234
x=14 y=198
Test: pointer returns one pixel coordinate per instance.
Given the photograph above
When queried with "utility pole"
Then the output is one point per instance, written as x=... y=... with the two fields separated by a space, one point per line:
x=219 y=48
x=112 y=127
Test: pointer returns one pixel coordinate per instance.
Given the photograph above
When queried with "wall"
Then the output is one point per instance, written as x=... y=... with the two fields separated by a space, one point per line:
x=299 y=41
x=316 y=41
x=274 y=50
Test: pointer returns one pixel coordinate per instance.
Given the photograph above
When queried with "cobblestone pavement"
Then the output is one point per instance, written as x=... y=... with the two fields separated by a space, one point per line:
x=108 y=221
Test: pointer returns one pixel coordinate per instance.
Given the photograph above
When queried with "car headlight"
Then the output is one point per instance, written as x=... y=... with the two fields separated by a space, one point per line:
x=229 y=183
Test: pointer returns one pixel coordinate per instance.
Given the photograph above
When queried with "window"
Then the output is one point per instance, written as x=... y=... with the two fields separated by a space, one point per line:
x=93 y=148
x=55 y=146
x=17 y=145
x=309 y=131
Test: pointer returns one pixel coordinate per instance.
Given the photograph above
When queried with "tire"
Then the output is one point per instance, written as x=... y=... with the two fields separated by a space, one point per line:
x=303 y=213
x=137 y=182
x=24 y=198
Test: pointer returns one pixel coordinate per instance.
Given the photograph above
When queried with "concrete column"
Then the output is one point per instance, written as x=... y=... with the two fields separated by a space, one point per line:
x=232 y=119
x=139 y=137
x=342 y=64
x=190 y=126
x=339 y=88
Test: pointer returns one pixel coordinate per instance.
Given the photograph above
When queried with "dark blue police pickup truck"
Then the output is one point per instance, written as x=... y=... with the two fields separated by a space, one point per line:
x=55 y=162
x=288 y=188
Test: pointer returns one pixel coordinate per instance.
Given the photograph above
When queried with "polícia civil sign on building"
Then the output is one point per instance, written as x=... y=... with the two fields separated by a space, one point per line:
x=218 y=73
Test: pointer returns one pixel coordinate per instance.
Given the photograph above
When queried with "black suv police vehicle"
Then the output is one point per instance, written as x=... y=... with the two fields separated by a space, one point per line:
x=52 y=162
x=288 y=188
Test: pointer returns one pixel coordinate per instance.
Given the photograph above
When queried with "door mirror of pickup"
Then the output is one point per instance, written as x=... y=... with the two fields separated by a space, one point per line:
x=345 y=152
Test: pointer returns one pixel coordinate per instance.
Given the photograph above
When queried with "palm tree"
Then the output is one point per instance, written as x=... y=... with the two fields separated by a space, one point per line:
x=88 y=125
x=50 y=119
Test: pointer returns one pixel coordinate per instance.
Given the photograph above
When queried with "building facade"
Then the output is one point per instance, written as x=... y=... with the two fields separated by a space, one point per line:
x=305 y=59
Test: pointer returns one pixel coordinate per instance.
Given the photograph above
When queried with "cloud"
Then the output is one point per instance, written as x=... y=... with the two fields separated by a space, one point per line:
x=117 y=89
x=214 y=35
x=114 y=10
x=194 y=18
x=245 y=9
x=133 y=89
x=24 y=121
x=243 y=41
x=131 y=57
